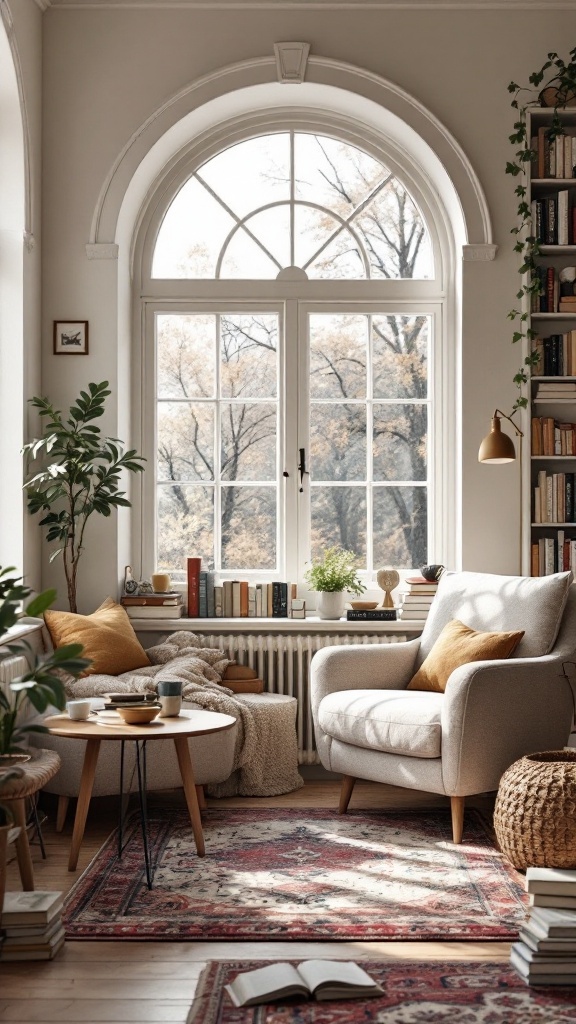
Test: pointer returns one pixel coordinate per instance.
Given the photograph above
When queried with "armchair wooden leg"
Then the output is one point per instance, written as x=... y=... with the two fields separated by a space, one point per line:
x=457 y=808
x=348 y=782
x=62 y=811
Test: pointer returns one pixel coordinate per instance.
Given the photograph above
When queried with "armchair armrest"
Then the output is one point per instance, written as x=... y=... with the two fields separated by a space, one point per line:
x=495 y=712
x=362 y=667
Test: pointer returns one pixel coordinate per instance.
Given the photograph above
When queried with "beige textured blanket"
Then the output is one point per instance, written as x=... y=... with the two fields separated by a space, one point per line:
x=265 y=758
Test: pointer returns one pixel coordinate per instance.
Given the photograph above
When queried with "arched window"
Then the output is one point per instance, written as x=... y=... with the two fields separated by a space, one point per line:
x=293 y=310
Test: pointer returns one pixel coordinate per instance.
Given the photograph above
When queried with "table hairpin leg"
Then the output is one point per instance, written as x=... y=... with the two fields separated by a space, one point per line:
x=122 y=803
x=36 y=824
x=141 y=763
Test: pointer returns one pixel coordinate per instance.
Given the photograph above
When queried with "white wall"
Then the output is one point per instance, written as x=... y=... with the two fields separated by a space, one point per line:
x=106 y=71
x=20 y=160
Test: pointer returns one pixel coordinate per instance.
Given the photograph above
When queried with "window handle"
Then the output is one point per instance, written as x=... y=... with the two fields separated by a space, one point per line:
x=302 y=467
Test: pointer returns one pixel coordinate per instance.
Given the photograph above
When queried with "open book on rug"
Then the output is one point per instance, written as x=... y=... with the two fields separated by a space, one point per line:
x=313 y=979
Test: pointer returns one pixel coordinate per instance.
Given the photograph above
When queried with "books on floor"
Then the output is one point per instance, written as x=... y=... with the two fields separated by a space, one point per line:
x=32 y=925
x=312 y=979
x=545 y=953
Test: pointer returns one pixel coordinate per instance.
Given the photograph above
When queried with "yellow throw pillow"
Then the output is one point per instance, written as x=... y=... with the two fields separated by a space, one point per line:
x=107 y=637
x=458 y=645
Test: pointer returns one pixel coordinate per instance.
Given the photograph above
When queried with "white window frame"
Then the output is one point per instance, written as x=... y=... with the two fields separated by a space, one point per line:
x=436 y=297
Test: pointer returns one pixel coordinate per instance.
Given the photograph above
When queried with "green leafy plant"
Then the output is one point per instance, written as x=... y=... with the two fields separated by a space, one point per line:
x=41 y=685
x=335 y=571
x=559 y=90
x=81 y=475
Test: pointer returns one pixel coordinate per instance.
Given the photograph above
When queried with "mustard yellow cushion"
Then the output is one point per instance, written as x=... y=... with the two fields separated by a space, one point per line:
x=457 y=645
x=107 y=637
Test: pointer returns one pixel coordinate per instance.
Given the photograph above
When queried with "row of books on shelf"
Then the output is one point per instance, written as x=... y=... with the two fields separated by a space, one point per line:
x=553 y=554
x=556 y=356
x=553 y=158
x=554 y=295
x=554 y=498
x=553 y=218
x=552 y=437
x=32 y=926
x=230 y=599
x=545 y=953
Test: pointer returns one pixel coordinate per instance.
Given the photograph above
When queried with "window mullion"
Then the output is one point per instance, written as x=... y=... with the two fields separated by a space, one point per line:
x=369 y=451
x=218 y=448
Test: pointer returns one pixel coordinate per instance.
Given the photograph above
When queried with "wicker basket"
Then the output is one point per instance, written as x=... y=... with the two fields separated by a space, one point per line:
x=535 y=812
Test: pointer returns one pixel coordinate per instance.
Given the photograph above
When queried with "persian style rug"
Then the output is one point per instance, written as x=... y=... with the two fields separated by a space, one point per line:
x=301 y=874
x=415 y=992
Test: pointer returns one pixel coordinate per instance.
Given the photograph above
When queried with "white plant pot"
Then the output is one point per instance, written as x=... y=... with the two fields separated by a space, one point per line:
x=331 y=604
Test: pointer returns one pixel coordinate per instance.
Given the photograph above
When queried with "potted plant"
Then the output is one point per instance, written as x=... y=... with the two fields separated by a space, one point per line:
x=40 y=686
x=333 y=576
x=82 y=475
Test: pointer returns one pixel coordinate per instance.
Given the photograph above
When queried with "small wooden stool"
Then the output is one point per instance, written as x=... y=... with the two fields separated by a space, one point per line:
x=35 y=774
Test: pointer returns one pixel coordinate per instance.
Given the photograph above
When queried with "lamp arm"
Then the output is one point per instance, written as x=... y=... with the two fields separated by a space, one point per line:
x=498 y=412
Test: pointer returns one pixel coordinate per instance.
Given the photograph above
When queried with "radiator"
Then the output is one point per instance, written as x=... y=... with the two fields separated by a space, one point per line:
x=283 y=662
x=10 y=669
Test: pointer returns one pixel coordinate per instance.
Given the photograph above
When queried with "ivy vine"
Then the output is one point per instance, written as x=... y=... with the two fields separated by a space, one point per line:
x=559 y=91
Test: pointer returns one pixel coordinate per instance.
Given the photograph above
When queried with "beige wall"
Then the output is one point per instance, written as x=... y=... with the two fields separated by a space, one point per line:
x=106 y=71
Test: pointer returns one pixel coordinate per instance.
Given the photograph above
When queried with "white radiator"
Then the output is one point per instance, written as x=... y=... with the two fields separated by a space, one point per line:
x=283 y=661
x=10 y=669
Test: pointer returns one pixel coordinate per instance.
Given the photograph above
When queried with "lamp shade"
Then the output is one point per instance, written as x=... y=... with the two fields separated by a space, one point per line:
x=496 y=446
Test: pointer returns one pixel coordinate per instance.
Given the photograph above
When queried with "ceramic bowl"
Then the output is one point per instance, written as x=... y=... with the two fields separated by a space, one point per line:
x=363 y=606
x=139 y=714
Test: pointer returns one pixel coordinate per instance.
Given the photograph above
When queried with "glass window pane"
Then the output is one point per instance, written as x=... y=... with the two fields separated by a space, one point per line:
x=243 y=258
x=400 y=436
x=395 y=235
x=338 y=356
x=338 y=516
x=338 y=442
x=400 y=527
x=341 y=259
x=248 y=441
x=185 y=526
x=185 y=441
x=333 y=174
x=252 y=173
x=248 y=354
x=191 y=235
x=186 y=347
x=400 y=356
x=272 y=229
x=248 y=528
x=312 y=228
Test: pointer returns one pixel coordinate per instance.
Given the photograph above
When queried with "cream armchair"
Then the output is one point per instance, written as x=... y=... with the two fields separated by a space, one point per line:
x=457 y=743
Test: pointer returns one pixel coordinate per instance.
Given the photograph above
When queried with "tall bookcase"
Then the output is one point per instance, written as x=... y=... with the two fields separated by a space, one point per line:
x=550 y=448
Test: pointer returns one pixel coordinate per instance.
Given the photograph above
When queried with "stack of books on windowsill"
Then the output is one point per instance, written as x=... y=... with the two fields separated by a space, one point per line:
x=416 y=600
x=546 y=951
x=153 y=606
x=31 y=925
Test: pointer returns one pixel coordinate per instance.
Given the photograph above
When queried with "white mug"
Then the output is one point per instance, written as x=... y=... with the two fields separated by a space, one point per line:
x=79 y=710
x=171 y=706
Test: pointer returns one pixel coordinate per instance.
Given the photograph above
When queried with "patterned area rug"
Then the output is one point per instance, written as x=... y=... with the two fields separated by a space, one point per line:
x=299 y=874
x=415 y=992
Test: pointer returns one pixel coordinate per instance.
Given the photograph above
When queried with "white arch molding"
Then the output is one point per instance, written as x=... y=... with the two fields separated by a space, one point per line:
x=244 y=99
x=332 y=86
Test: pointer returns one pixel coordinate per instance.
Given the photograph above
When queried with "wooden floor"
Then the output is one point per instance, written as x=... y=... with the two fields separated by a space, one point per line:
x=121 y=982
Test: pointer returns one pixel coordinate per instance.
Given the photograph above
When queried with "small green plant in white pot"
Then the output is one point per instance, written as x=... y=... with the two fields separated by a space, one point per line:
x=333 y=577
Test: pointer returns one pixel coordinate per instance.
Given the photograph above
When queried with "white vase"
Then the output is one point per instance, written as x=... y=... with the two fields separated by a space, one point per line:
x=331 y=604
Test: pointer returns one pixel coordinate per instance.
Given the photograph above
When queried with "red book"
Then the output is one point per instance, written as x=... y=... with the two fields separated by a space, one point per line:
x=550 y=296
x=193 y=567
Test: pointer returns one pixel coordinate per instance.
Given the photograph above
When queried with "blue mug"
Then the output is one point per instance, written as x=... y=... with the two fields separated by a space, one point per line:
x=170 y=688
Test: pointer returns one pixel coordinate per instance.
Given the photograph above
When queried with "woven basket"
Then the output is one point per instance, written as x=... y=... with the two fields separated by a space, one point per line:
x=535 y=812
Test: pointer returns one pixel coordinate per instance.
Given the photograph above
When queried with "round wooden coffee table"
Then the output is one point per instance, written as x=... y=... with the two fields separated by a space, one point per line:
x=98 y=729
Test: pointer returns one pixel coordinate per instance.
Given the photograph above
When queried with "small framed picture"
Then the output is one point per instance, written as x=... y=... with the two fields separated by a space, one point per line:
x=71 y=337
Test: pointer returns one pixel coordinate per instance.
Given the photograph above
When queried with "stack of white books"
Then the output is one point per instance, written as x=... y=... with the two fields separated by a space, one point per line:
x=415 y=601
x=545 y=953
x=31 y=925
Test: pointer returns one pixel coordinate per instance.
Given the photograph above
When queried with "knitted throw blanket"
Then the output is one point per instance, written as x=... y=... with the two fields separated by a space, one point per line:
x=265 y=757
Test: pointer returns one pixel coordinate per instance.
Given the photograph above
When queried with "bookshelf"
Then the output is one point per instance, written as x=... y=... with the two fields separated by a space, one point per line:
x=549 y=500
